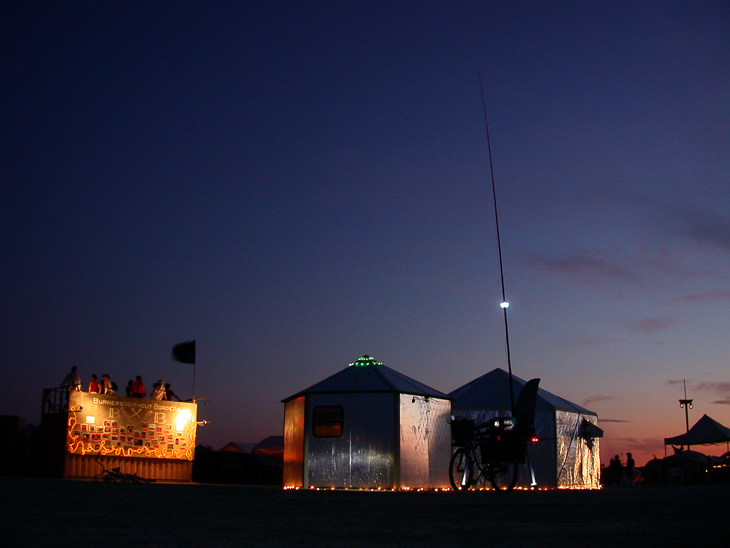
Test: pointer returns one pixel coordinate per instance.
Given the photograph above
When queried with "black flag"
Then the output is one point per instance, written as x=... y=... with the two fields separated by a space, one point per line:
x=184 y=352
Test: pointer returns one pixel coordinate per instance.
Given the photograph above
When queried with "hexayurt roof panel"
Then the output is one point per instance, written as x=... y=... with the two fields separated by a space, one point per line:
x=491 y=391
x=368 y=375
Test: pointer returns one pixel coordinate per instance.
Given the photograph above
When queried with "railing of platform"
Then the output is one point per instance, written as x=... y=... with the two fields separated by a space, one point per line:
x=55 y=400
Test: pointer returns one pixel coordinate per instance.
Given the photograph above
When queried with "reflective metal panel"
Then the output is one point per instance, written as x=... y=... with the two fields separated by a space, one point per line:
x=425 y=442
x=364 y=456
x=294 y=443
x=578 y=458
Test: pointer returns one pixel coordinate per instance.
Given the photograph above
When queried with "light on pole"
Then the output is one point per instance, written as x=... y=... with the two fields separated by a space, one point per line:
x=686 y=404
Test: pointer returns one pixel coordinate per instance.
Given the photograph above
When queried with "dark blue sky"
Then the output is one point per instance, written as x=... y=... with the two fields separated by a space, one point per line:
x=295 y=184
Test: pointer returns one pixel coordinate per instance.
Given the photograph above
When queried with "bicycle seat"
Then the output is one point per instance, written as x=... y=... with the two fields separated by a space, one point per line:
x=524 y=411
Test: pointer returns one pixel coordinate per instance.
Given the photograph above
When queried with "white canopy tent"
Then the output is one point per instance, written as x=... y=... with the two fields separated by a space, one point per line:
x=706 y=431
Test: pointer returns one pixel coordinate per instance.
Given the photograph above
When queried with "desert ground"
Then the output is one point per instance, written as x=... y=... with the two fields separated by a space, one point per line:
x=43 y=512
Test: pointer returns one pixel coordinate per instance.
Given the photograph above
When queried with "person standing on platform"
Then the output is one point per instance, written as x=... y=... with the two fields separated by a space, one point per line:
x=138 y=389
x=72 y=380
x=169 y=394
x=107 y=386
x=94 y=386
x=158 y=393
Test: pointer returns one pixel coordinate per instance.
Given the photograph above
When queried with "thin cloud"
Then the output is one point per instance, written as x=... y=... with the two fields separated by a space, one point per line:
x=650 y=325
x=586 y=267
x=717 y=387
x=640 y=444
x=702 y=226
x=701 y=297
x=612 y=420
x=584 y=342
x=593 y=399
x=643 y=445
x=671 y=382
x=721 y=388
x=641 y=268
x=660 y=270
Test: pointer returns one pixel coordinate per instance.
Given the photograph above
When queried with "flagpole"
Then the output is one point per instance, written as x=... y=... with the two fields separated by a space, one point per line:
x=194 y=381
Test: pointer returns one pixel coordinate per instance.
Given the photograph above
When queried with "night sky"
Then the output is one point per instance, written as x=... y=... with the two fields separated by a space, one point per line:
x=296 y=184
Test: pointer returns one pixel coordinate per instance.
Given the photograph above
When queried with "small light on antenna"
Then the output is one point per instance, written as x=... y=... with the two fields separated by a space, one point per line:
x=504 y=304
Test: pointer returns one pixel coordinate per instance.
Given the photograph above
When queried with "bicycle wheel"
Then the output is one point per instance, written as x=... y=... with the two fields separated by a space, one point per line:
x=133 y=478
x=461 y=470
x=503 y=476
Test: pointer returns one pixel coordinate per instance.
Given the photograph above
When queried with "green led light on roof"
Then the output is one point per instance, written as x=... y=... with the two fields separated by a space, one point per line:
x=364 y=361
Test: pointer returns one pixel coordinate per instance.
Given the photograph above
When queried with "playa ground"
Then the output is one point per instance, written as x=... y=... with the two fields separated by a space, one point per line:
x=42 y=512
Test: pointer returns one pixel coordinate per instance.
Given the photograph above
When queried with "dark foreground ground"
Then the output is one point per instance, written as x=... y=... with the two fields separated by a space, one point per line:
x=38 y=512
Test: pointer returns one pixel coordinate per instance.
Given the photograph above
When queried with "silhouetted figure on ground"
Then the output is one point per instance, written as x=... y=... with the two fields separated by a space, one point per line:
x=616 y=471
x=629 y=469
x=128 y=388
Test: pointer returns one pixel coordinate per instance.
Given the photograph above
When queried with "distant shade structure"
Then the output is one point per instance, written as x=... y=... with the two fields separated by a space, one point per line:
x=367 y=427
x=706 y=431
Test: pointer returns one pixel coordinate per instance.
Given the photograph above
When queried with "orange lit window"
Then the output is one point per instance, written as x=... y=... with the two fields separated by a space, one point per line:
x=327 y=421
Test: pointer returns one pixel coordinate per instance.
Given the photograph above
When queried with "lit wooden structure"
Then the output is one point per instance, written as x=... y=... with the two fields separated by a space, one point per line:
x=82 y=433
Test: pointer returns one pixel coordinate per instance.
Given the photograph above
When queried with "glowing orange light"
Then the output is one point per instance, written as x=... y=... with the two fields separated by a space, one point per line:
x=75 y=445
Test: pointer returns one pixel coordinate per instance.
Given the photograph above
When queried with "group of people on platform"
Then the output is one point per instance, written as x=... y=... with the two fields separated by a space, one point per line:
x=134 y=389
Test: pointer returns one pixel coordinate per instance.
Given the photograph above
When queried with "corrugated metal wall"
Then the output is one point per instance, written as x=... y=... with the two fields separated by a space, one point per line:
x=88 y=466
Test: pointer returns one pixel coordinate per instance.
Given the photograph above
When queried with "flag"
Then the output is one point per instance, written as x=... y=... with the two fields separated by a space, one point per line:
x=184 y=352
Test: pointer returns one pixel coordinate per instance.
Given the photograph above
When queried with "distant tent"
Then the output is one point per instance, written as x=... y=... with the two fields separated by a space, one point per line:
x=367 y=426
x=273 y=446
x=567 y=453
x=688 y=456
x=233 y=448
x=705 y=431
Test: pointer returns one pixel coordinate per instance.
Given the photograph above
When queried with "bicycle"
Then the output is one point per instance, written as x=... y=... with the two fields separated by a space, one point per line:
x=493 y=451
x=115 y=475
x=488 y=452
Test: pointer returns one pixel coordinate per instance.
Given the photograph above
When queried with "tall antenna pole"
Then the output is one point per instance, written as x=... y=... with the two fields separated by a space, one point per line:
x=504 y=304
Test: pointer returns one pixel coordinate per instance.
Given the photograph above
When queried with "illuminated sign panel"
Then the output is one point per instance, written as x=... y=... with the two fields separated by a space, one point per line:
x=130 y=427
